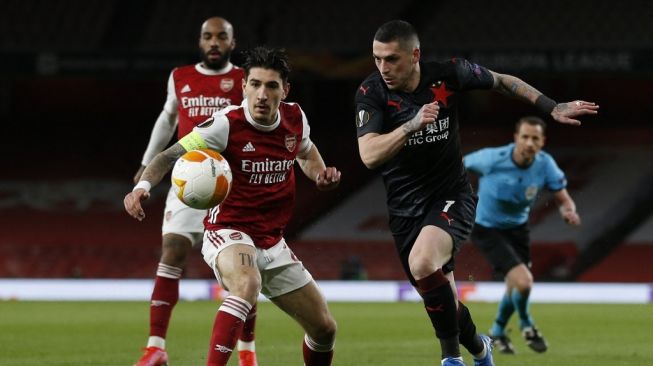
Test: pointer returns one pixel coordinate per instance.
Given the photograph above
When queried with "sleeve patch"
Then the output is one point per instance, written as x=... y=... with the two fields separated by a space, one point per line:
x=362 y=117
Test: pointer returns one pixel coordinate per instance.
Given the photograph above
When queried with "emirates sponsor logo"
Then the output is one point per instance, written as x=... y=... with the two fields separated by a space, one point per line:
x=267 y=166
x=268 y=171
x=204 y=101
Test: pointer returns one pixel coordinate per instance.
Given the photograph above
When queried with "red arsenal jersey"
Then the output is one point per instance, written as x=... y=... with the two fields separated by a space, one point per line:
x=262 y=159
x=199 y=93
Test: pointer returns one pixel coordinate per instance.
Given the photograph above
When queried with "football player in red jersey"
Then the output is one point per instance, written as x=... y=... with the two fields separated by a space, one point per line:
x=243 y=238
x=195 y=92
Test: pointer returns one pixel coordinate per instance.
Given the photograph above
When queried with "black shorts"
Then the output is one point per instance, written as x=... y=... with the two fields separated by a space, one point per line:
x=455 y=215
x=504 y=248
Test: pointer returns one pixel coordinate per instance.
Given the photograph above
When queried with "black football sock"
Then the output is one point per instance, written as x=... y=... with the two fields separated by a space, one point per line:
x=440 y=306
x=468 y=337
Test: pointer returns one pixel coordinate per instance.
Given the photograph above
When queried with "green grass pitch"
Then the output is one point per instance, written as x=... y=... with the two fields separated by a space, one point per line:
x=112 y=333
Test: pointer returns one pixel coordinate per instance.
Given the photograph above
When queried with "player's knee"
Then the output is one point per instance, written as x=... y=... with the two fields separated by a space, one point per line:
x=524 y=284
x=244 y=286
x=174 y=250
x=421 y=267
x=326 y=331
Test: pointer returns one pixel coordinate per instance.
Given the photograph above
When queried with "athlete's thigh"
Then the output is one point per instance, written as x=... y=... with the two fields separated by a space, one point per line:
x=433 y=245
x=281 y=271
x=521 y=243
x=454 y=219
x=454 y=215
x=229 y=252
x=496 y=246
x=307 y=306
x=182 y=220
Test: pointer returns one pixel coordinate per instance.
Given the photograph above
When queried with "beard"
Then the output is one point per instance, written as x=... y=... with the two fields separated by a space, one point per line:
x=215 y=64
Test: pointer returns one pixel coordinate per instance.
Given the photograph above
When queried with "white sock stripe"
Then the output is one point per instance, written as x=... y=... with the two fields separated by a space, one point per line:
x=246 y=346
x=236 y=306
x=314 y=346
x=154 y=341
x=166 y=267
x=244 y=307
x=240 y=302
x=164 y=270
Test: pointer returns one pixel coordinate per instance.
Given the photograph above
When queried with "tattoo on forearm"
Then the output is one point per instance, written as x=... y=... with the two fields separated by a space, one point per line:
x=246 y=259
x=518 y=88
x=521 y=89
x=157 y=169
x=514 y=87
x=411 y=126
x=162 y=163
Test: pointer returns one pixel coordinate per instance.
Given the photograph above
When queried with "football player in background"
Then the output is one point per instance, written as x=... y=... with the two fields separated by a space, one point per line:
x=510 y=178
x=243 y=239
x=195 y=92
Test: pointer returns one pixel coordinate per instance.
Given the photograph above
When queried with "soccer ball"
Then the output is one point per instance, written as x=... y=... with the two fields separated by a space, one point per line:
x=201 y=178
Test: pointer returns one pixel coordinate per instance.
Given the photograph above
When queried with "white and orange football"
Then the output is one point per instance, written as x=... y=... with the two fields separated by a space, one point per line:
x=201 y=178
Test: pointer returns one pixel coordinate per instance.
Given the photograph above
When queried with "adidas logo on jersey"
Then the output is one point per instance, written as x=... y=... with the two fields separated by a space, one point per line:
x=185 y=89
x=249 y=147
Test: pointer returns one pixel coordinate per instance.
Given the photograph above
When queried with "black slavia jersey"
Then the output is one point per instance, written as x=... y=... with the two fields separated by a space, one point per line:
x=430 y=165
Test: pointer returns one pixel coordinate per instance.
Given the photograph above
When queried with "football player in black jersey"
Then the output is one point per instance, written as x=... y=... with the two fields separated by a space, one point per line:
x=407 y=125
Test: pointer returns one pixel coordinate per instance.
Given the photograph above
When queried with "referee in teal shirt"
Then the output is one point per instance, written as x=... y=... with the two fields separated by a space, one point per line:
x=510 y=177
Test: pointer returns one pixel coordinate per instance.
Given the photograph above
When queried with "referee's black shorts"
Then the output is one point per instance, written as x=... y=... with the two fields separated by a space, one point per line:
x=504 y=248
x=455 y=215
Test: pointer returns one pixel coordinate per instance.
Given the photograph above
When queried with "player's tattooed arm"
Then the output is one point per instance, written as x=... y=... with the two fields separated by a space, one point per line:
x=515 y=87
x=561 y=112
x=162 y=163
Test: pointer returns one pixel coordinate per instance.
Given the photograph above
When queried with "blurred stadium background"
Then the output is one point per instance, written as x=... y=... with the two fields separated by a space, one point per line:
x=82 y=82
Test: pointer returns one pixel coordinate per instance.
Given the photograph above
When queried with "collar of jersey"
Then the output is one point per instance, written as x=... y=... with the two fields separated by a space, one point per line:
x=211 y=72
x=522 y=167
x=257 y=125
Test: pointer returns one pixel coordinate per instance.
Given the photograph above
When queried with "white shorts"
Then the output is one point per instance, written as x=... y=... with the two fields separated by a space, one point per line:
x=281 y=271
x=182 y=220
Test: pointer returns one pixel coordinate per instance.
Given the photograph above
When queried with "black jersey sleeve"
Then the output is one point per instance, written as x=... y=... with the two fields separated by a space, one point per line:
x=469 y=76
x=369 y=109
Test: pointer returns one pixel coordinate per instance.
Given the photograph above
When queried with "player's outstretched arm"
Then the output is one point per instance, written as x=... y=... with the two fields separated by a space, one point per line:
x=162 y=133
x=567 y=207
x=561 y=112
x=311 y=163
x=375 y=149
x=152 y=175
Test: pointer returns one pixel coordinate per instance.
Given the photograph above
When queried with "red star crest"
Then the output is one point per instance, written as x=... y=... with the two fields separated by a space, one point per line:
x=440 y=93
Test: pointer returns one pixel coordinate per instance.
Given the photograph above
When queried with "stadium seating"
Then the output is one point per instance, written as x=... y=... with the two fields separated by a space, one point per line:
x=48 y=232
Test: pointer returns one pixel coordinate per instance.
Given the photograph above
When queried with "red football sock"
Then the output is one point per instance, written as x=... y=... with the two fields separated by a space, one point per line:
x=227 y=328
x=164 y=298
x=317 y=354
x=250 y=325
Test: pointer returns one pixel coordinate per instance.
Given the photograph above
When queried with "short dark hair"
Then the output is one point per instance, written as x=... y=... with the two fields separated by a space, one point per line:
x=531 y=120
x=398 y=30
x=268 y=58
